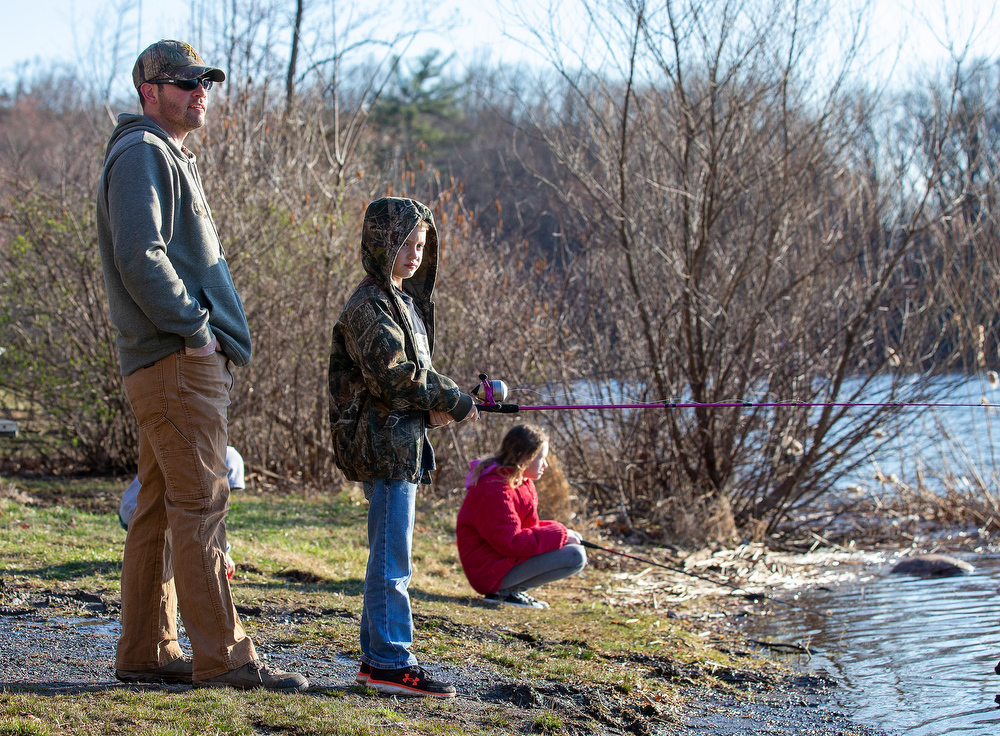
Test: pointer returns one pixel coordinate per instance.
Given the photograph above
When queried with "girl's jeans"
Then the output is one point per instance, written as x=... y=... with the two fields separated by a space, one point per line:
x=175 y=552
x=386 y=620
x=544 y=568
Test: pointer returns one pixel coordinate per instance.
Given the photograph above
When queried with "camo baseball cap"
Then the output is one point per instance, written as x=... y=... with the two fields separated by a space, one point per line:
x=172 y=60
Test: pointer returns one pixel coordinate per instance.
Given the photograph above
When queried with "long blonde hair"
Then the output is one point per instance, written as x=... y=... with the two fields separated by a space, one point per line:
x=518 y=449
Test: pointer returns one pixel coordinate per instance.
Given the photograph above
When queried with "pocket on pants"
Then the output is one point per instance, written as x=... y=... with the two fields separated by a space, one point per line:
x=147 y=393
x=204 y=374
x=180 y=469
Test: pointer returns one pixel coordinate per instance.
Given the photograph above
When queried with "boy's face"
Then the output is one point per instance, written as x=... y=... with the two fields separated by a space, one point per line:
x=409 y=256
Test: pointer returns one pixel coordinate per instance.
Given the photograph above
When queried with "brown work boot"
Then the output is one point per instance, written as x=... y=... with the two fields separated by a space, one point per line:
x=178 y=671
x=256 y=674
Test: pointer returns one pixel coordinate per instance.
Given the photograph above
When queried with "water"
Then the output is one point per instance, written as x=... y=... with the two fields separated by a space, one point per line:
x=916 y=656
x=952 y=447
x=911 y=656
x=940 y=448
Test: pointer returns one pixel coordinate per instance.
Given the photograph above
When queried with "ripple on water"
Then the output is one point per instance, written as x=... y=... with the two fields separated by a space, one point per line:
x=912 y=655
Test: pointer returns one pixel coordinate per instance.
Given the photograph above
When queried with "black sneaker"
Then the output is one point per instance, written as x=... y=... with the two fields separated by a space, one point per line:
x=413 y=680
x=364 y=672
x=517 y=600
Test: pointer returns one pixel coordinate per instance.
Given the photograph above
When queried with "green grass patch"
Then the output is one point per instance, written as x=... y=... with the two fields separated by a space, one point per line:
x=547 y=723
x=310 y=552
x=122 y=711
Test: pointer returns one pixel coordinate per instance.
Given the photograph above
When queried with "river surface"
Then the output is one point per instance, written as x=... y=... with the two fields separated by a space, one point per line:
x=911 y=656
x=942 y=447
x=949 y=442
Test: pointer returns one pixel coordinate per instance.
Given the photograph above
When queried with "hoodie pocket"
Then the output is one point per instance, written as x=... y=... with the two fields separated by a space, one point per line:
x=229 y=322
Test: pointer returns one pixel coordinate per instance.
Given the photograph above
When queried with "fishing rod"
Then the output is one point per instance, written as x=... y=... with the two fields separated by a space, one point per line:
x=492 y=394
x=753 y=597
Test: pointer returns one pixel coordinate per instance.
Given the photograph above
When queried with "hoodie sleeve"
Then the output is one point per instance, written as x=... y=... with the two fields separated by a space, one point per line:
x=377 y=345
x=142 y=196
x=499 y=523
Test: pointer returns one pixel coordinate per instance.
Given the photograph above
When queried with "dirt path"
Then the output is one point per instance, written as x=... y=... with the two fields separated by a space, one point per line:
x=65 y=643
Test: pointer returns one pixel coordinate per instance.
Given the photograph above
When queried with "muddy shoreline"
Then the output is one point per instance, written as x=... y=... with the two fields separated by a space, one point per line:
x=56 y=641
x=62 y=643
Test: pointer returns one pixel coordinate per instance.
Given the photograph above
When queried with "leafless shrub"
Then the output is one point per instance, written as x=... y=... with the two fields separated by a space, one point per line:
x=58 y=373
x=740 y=233
x=702 y=211
x=555 y=497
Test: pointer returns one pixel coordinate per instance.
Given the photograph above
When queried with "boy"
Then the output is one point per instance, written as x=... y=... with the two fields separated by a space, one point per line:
x=384 y=393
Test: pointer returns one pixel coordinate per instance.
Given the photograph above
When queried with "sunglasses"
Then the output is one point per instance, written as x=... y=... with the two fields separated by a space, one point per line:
x=188 y=85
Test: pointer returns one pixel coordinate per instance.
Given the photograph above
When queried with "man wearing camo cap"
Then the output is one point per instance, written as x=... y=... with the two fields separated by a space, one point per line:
x=181 y=329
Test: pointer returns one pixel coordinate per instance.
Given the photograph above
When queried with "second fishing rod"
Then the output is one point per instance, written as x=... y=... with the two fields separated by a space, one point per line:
x=735 y=588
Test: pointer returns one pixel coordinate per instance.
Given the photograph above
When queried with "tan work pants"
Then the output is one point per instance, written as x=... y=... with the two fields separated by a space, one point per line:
x=176 y=544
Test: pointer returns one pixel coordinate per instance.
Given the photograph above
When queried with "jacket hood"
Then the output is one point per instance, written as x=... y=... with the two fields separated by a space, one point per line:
x=388 y=222
x=130 y=123
x=488 y=470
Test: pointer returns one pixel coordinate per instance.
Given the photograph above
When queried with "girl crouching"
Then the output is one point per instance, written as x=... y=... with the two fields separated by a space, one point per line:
x=504 y=548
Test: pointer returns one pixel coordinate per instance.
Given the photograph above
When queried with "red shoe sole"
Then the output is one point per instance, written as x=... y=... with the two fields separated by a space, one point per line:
x=394 y=688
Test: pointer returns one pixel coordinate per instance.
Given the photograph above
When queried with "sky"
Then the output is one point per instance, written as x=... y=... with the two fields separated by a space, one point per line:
x=41 y=32
x=38 y=32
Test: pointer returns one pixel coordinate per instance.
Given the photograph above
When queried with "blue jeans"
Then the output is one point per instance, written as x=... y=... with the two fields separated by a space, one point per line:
x=386 y=619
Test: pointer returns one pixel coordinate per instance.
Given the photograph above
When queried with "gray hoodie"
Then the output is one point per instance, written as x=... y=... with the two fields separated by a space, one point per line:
x=168 y=283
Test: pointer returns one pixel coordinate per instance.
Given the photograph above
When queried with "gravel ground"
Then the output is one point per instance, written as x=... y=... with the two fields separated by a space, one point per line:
x=67 y=645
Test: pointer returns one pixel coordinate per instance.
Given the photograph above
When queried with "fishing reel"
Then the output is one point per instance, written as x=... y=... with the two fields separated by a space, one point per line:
x=492 y=394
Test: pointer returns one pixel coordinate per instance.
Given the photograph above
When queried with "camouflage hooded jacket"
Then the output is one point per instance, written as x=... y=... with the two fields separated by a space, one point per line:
x=379 y=394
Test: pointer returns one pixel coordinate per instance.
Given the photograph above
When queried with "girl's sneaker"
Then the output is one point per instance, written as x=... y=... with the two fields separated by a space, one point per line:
x=413 y=680
x=517 y=600
x=364 y=672
x=535 y=603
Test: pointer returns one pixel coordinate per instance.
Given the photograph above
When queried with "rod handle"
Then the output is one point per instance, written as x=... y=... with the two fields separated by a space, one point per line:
x=499 y=408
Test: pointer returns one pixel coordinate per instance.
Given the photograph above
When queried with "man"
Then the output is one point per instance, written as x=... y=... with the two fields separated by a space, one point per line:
x=180 y=326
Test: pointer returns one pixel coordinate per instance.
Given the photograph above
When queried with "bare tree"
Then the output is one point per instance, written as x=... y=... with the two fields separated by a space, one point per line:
x=737 y=239
x=293 y=56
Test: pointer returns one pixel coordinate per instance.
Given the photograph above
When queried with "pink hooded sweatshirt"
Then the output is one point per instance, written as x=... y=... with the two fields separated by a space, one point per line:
x=498 y=527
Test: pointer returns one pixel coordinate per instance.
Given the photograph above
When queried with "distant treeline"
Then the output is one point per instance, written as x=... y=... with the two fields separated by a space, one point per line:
x=708 y=211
